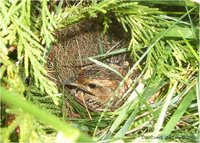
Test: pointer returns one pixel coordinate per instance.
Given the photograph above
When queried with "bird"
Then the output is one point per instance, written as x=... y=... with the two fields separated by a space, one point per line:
x=94 y=87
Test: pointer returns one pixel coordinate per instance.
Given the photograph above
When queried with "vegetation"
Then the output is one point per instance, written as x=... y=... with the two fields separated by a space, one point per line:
x=163 y=44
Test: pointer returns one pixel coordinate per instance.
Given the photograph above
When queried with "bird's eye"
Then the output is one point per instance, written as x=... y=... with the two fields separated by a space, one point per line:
x=92 y=85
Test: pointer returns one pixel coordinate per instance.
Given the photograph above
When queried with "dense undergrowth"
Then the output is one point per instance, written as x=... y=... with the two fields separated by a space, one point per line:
x=163 y=44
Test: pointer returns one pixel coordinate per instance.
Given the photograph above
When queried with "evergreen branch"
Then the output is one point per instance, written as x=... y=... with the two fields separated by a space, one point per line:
x=29 y=50
x=43 y=116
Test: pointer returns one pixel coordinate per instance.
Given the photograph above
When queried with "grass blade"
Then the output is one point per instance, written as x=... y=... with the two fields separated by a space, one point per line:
x=178 y=113
x=161 y=118
x=71 y=133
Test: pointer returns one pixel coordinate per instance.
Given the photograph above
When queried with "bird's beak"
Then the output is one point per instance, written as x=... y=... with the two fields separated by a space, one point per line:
x=69 y=82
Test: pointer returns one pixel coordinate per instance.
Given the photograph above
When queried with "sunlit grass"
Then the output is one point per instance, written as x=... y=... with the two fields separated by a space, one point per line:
x=163 y=101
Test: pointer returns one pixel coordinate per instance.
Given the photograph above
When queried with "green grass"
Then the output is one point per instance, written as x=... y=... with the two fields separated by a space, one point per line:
x=163 y=44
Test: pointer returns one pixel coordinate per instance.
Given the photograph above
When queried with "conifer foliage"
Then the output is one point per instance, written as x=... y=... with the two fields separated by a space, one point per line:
x=163 y=44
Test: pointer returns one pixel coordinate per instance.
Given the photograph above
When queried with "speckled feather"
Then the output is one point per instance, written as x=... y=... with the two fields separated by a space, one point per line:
x=95 y=86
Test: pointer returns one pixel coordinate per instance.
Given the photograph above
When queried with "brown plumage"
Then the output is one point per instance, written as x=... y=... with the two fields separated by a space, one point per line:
x=94 y=87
